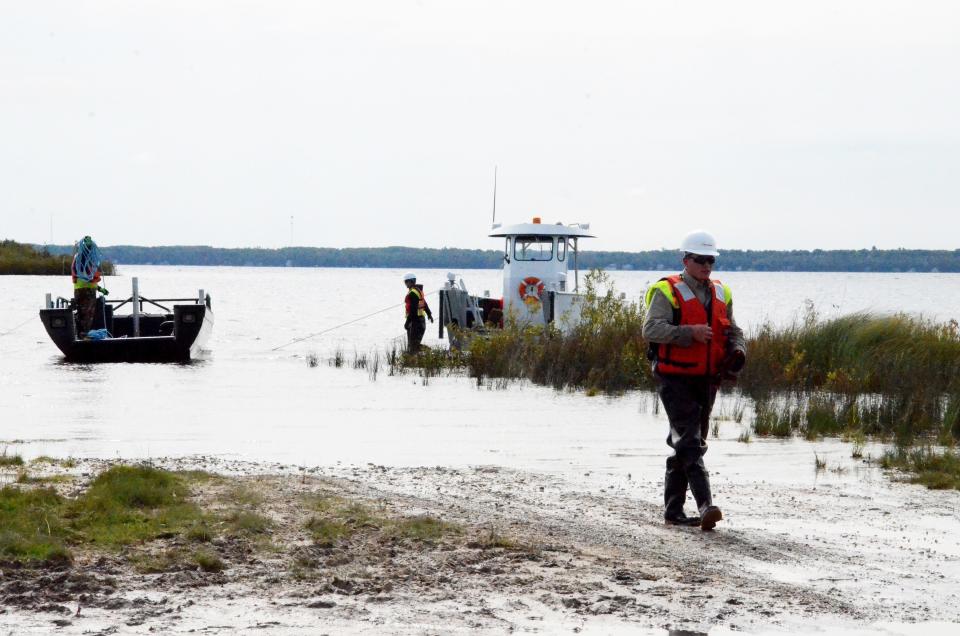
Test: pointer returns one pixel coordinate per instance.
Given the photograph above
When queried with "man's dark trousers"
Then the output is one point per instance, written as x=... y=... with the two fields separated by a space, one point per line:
x=688 y=402
x=415 y=331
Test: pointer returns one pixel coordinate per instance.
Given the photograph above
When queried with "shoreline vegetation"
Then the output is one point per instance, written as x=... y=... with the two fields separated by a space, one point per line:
x=52 y=516
x=27 y=260
x=892 y=378
x=206 y=544
x=862 y=260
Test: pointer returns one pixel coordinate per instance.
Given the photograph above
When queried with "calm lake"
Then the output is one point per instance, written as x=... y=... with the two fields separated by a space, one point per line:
x=247 y=401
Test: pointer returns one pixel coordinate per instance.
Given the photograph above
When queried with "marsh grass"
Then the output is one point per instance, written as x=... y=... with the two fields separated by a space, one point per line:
x=888 y=376
x=490 y=539
x=892 y=375
x=129 y=504
x=200 y=532
x=335 y=520
x=819 y=463
x=25 y=477
x=208 y=561
x=421 y=528
x=939 y=470
x=604 y=352
x=10 y=460
x=248 y=523
x=32 y=526
x=121 y=506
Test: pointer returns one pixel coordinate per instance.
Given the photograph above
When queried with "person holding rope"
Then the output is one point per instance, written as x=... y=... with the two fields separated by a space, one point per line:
x=694 y=344
x=86 y=275
x=417 y=311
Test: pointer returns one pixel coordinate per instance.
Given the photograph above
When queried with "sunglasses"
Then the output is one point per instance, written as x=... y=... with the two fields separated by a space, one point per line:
x=702 y=260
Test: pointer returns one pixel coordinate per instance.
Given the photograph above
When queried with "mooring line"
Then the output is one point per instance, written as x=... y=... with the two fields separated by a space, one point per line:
x=344 y=324
x=7 y=333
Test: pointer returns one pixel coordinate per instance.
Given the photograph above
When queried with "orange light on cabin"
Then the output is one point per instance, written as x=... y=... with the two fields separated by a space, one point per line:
x=536 y=219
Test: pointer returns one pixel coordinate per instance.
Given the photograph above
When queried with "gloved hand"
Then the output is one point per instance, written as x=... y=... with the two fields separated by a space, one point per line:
x=406 y=325
x=103 y=291
x=431 y=319
x=737 y=360
x=731 y=365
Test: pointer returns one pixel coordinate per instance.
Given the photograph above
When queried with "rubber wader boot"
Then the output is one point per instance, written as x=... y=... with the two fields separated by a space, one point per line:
x=700 y=488
x=674 y=496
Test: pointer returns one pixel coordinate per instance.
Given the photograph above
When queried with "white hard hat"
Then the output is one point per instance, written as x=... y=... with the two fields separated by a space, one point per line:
x=409 y=276
x=699 y=242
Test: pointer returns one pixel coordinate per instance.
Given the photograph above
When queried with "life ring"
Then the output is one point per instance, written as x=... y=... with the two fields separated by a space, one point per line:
x=531 y=286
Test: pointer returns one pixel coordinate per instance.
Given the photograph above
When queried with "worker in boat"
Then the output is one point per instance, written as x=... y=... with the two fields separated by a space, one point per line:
x=694 y=343
x=417 y=312
x=86 y=275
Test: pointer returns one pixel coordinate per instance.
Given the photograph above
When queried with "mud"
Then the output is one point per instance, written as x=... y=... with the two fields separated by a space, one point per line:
x=538 y=554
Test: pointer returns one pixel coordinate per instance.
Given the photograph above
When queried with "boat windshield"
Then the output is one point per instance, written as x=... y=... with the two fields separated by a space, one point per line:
x=533 y=248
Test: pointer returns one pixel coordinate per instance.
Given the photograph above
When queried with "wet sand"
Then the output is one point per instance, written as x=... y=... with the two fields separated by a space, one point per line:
x=570 y=557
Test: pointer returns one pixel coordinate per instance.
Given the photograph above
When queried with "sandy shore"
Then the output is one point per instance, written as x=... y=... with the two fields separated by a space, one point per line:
x=534 y=553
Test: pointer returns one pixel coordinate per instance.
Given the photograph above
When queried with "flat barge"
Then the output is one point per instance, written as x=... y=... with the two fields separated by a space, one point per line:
x=178 y=332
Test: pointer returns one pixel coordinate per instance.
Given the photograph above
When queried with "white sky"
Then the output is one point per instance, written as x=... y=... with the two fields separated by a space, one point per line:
x=800 y=124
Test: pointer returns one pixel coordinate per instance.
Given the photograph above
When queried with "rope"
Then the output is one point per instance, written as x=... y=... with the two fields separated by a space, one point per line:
x=88 y=260
x=343 y=324
x=7 y=333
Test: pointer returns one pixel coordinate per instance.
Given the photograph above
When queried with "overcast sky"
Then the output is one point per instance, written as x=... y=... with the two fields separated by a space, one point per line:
x=802 y=124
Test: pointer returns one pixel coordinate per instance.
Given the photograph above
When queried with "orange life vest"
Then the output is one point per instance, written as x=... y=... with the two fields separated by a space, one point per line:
x=699 y=358
x=421 y=309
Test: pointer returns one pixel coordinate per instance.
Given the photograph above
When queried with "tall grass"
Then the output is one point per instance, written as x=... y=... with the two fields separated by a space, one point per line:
x=893 y=375
x=603 y=352
x=887 y=375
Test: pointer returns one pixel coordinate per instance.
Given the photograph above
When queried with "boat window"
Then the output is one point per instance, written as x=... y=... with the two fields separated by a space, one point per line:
x=533 y=248
x=561 y=248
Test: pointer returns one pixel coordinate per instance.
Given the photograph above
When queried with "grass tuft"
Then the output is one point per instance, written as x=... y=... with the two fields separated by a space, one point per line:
x=129 y=504
x=208 y=561
x=248 y=523
x=32 y=526
x=10 y=460
x=927 y=466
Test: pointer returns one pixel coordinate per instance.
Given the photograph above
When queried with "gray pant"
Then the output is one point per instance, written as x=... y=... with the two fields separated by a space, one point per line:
x=688 y=402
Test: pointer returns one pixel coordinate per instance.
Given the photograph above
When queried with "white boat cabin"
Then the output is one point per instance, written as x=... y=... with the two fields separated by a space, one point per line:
x=540 y=258
x=540 y=281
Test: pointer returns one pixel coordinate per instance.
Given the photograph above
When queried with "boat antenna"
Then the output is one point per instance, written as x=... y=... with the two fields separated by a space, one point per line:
x=494 y=221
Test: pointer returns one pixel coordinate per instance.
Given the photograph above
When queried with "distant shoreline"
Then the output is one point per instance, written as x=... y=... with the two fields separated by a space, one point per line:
x=865 y=260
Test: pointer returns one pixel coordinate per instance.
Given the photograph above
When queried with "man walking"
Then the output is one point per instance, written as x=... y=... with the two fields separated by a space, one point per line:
x=694 y=341
x=417 y=311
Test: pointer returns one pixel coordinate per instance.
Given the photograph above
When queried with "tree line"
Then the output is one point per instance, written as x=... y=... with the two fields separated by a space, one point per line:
x=864 y=260
x=19 y=258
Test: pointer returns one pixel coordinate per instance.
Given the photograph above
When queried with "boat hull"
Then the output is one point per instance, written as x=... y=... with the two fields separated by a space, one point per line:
x=192 y=328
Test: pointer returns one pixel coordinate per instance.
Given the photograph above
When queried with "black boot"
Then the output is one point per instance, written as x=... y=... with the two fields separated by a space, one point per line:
x=674 y=496
x=700 y=488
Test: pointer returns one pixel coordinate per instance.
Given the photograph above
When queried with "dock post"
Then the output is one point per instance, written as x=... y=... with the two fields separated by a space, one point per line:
x=136 y=307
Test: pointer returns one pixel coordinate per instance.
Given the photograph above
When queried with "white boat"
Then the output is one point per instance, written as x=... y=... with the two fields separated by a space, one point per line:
x=541 y=281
